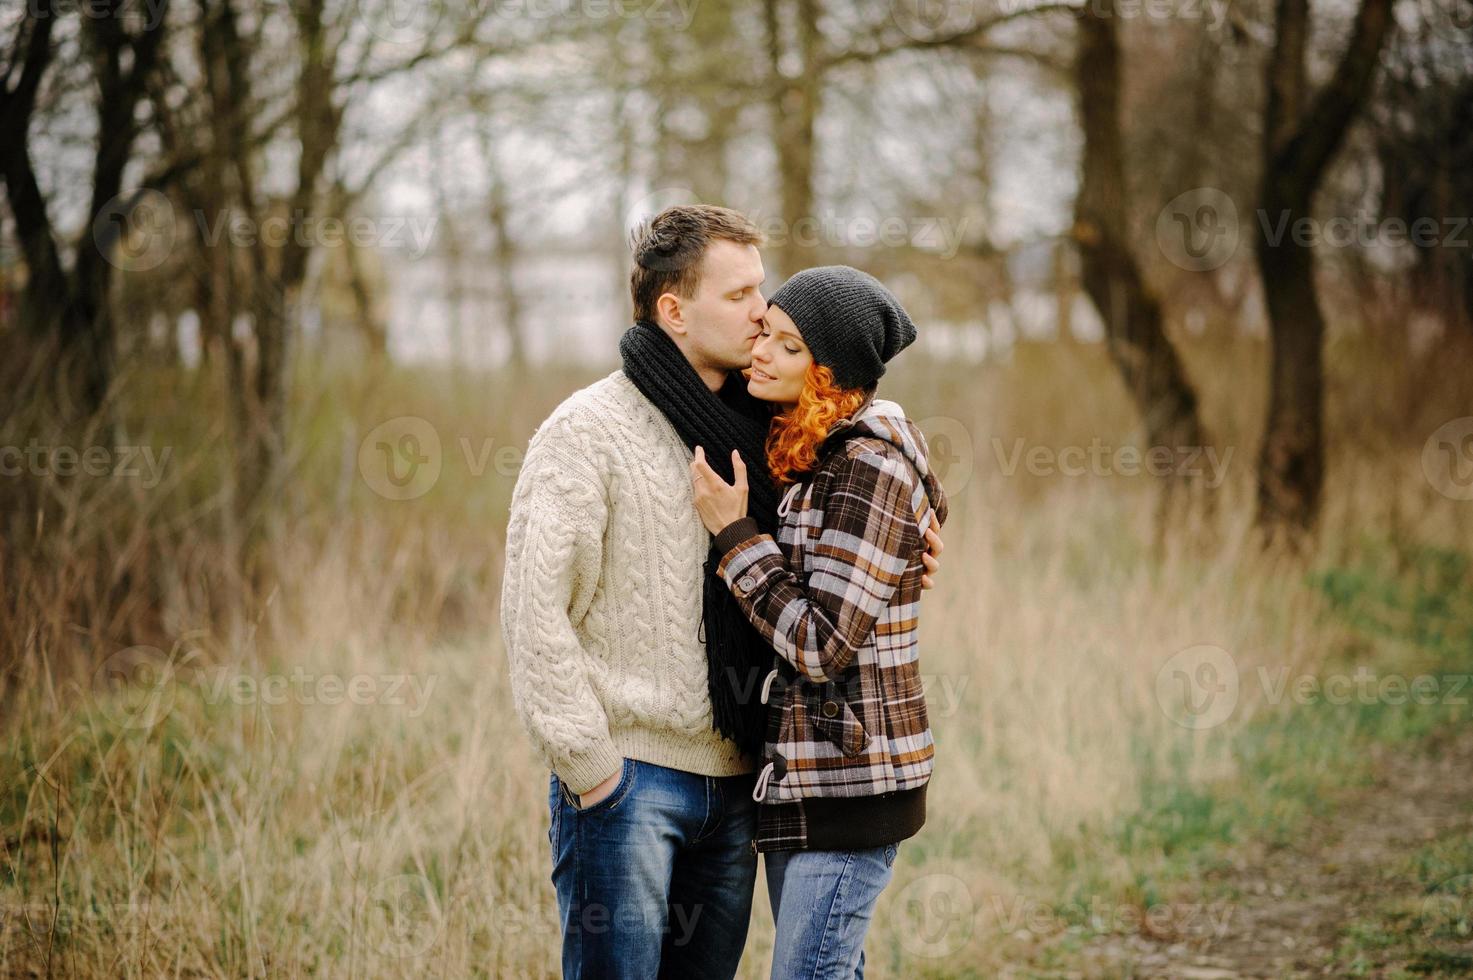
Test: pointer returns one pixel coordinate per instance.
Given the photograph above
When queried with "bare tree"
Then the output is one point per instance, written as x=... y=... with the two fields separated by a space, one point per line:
x=67 y=308
x=1130 y=310
x=796 y=85
x=1302 y=132
x=1423 y=137
x=505 y=251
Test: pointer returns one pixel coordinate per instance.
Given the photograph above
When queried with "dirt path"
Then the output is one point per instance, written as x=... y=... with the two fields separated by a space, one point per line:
x=1344 y=901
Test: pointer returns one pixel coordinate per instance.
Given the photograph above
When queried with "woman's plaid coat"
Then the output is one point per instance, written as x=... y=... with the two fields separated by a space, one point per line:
x=837 y=594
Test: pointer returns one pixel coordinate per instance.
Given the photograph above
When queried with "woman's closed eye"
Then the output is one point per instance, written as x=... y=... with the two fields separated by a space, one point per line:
x=768 y=333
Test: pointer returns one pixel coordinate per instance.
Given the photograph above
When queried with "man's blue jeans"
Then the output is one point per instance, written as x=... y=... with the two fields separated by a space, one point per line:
x=656 y=879
x=822 y=902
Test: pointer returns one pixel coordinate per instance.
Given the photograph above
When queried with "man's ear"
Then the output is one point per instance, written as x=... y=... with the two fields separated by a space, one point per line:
x=671 y=315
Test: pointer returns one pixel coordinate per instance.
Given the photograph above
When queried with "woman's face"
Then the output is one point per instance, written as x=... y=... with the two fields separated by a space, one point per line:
x=780 y=360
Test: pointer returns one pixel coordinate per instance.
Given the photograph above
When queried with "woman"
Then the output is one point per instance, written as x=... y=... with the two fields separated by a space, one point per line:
x=849 y=749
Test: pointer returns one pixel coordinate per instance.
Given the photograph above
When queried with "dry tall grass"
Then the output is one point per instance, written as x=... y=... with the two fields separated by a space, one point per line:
x=219 y=815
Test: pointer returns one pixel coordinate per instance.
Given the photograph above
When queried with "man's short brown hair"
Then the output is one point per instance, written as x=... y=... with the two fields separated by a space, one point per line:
x=669 y=247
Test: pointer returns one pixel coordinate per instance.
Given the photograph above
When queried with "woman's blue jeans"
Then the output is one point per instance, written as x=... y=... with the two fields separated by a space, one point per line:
x=822 y=902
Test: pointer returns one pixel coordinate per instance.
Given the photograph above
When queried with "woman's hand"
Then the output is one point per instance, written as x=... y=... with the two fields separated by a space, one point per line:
x=931 y=557
x=719 y=502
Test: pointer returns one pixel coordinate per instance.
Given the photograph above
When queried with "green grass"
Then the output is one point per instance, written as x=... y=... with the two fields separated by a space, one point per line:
x=1425 y=922
x=1418 y=618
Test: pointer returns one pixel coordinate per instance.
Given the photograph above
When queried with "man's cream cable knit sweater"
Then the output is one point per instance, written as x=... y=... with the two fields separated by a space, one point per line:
x=601 y=596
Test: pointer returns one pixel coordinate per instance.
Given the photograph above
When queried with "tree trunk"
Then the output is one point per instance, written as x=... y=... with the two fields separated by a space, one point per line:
x=504 y=252
x=506 y=264
x=375 y=333
x=1131 y=312
x=1298 y=145
x=795 y=96
x=72 y=309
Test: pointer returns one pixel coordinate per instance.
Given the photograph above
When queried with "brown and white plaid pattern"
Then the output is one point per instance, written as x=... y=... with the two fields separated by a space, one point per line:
x=838 y=597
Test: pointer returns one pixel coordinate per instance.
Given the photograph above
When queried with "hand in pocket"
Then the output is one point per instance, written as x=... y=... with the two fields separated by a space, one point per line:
x=601 y=791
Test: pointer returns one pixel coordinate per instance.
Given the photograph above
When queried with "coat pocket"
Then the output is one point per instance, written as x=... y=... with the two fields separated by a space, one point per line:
x=835 y=721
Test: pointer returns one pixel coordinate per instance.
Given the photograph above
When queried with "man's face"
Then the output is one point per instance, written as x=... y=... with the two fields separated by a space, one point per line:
x=724 y=317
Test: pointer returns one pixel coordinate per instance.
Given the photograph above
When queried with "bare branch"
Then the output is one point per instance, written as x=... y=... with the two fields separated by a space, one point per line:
x=965 y=39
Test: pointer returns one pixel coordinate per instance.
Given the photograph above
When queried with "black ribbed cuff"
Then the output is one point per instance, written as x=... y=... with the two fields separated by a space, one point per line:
x=735 y=533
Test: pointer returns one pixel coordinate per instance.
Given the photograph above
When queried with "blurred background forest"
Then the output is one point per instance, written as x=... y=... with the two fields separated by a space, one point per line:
x=286 y=285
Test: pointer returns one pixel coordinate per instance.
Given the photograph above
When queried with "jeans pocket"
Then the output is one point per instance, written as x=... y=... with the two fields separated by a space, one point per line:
x=621 y=790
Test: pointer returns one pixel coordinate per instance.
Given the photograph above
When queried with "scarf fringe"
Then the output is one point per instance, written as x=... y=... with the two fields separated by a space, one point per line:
x=737 y=660
x=737 y=655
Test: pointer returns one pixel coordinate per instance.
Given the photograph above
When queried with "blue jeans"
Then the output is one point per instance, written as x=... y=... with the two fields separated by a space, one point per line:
x=656 y=879
x=822 y=902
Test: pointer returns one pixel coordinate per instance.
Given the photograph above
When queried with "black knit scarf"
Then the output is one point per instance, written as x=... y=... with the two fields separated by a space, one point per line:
x=737 y=657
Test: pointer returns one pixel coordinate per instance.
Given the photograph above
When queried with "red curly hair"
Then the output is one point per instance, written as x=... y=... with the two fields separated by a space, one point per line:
x=794 y=436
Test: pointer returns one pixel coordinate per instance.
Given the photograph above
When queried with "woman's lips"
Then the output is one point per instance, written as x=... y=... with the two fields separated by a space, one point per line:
x=759 y=375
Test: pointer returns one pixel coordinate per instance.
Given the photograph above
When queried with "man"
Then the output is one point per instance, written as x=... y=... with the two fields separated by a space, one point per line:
x=632 y=670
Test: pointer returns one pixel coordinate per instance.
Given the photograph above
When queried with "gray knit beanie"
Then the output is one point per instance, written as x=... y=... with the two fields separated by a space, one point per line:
x=848 y=319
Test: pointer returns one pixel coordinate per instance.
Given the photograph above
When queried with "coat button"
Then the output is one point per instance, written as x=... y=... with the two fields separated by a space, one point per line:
x=746 y=583
x=830 y=709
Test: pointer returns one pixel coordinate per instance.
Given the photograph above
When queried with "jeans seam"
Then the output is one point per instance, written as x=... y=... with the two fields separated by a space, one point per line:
x=835 y=902
x=711 y=783
x=575 y=907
